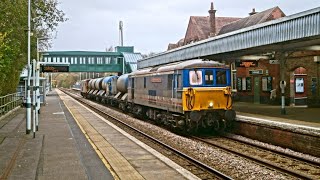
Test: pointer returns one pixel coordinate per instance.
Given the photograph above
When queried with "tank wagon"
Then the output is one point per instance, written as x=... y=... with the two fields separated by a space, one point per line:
x=186 y=95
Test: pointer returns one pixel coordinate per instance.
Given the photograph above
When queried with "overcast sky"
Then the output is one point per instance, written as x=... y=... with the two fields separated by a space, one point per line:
x=149 y=25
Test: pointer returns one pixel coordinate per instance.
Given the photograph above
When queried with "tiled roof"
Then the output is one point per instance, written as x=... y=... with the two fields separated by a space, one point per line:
x=175 y=45
x=199 y=28
x=202 y=25
x=264 y=16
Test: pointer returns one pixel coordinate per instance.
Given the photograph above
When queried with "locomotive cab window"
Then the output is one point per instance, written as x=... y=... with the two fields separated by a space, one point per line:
x=208 y=75
x=221 y=77
x=195 y=77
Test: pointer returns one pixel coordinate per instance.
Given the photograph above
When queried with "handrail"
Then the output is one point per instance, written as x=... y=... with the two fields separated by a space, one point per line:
x=9 y=102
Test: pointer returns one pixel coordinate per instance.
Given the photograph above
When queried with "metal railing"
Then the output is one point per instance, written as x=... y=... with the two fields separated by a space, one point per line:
x=9 y=102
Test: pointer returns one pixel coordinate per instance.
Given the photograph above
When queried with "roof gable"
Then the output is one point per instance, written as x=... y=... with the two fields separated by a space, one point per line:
x=264 y=16
x=199 y=27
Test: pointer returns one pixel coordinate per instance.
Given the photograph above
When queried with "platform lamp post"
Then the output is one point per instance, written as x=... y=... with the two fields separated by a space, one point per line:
x=317 y=60
x=37 y=74
x=282 y=82
x=28 y=104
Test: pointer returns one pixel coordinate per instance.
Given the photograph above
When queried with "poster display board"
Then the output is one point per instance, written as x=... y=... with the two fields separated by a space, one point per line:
x=248 y=82
x=239 y=84
x=267 y=83
x=299 y=84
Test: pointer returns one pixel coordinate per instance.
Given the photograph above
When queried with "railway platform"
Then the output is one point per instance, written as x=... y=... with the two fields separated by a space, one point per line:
x=58 y=151
x=76 y=143
x=303 y=116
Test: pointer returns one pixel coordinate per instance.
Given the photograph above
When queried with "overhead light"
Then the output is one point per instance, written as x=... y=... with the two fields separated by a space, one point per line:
x=313 y=48
x=253 y=57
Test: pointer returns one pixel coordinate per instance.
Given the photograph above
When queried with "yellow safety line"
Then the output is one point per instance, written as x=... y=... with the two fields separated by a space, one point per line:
x=105 y=162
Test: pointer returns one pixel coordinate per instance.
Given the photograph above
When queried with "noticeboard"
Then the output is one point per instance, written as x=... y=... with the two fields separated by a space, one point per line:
x=248 y=82
x=299 y=85
x=239 y=84
x=51 y=68
x=267 y=83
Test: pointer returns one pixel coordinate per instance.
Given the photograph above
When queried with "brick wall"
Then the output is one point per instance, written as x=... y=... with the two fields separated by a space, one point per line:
x=294 y=60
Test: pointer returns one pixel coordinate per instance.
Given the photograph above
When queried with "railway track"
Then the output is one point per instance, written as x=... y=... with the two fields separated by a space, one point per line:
x=198 y=168
x=292 y=165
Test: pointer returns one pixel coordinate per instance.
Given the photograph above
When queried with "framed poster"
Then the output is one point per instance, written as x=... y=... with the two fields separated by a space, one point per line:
x=239 y=83
x=244 y=84
x=264 y=84
x=248 y=82
x=314 y=86
x=299 y=84
x=267 y=83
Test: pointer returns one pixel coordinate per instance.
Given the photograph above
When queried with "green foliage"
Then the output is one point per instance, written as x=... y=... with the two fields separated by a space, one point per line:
x=66 y=80
x=13 y=35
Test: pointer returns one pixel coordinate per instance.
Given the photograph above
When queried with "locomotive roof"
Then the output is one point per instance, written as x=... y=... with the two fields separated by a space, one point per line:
x=190 y=64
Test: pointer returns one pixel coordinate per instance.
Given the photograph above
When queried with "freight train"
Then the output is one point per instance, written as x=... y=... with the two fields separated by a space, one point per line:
x=188 y=95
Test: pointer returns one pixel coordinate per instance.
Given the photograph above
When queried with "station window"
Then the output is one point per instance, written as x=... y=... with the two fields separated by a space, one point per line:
x=244 y=83
x=221 y=77
x=144 y=82
x=108 y=60
x=195 y=77
x=208 y=75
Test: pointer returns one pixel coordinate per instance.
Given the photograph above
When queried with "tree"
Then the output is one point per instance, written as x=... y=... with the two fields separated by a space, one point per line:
x=110 y=49
x=13 y=35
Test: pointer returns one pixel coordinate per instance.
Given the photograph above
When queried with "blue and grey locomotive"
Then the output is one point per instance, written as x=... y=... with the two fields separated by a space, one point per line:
x=187 y=95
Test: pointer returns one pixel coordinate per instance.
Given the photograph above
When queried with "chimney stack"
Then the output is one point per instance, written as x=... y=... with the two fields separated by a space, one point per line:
x=212 y=19
x=253 y=12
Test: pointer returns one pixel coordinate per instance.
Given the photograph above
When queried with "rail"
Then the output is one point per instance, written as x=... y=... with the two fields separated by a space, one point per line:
x=9 y=102
x=219 y=174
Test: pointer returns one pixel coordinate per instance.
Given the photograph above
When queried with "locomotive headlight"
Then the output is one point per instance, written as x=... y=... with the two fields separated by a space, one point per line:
x=211 y=104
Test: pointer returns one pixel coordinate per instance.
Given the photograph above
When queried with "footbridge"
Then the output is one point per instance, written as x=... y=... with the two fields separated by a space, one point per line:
x=123 y=60
x=285 y=34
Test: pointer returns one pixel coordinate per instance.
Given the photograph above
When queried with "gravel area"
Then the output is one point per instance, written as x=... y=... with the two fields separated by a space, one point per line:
x=276 y=148
x=234 y=166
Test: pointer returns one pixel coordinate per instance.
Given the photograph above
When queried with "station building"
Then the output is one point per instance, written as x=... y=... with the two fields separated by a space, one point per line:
x=257 y=80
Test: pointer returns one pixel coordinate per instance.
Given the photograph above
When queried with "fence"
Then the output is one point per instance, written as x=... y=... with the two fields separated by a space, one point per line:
x=9 y=102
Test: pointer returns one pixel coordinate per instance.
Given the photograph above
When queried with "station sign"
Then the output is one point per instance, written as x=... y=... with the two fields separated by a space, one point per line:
x=274 y=62
x=54 y=68
x=247 y=63
x=256 y=72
